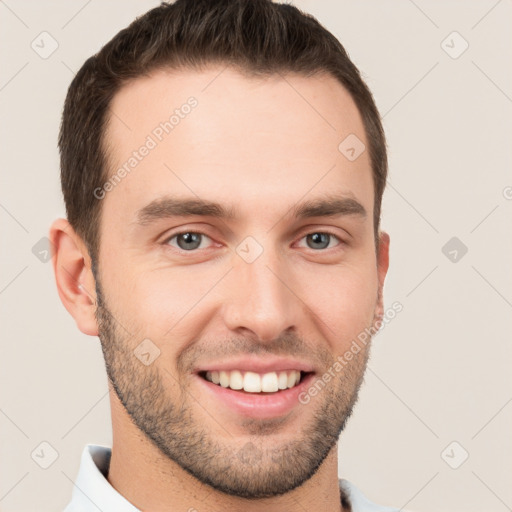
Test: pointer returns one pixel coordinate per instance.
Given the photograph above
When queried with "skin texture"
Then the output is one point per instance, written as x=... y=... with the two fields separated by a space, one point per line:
x=259 y=147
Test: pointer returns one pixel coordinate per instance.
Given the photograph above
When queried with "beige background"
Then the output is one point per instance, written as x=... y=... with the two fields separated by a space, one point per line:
x=440 y=371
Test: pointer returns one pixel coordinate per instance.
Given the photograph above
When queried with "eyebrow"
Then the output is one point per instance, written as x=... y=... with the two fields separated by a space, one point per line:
x=330 y=206
x=166 y=207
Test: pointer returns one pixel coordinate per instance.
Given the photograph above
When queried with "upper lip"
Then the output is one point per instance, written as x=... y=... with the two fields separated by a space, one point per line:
x=251 y=364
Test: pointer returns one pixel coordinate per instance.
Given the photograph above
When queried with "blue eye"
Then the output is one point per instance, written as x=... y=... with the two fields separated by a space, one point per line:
x=190 y=241
x=187 y=240
x=320 y=240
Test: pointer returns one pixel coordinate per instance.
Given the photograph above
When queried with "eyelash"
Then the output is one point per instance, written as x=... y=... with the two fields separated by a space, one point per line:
x=168 y=239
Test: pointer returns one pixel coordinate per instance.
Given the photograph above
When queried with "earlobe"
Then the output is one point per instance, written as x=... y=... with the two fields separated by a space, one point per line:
x=73 y=275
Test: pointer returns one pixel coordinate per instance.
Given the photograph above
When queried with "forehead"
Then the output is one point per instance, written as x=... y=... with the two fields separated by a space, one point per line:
x=217 y=134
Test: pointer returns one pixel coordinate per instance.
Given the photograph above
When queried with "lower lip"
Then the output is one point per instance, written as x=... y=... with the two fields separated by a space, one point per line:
x=256 y=405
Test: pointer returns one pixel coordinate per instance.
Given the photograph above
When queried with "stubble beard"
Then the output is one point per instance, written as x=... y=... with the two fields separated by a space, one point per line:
x=252 y=467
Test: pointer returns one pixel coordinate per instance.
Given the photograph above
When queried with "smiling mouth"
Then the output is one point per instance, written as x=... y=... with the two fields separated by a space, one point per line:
x=252 y=382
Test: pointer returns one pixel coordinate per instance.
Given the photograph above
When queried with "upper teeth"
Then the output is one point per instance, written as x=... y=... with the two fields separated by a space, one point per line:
x=255 y=382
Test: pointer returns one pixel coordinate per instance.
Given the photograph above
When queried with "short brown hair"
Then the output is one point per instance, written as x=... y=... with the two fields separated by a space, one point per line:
x=257 y=37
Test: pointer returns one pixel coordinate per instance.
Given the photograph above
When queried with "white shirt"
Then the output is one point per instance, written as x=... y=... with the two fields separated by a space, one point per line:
x=93 y=492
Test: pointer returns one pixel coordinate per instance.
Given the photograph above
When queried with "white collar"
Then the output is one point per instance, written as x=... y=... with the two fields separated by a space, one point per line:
x=92 y=491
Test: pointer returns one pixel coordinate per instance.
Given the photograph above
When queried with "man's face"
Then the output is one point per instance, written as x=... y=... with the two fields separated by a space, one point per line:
x=264 y=290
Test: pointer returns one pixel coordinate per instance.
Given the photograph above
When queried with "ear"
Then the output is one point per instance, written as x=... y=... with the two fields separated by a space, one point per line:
x=382 y=270
x=75 y=281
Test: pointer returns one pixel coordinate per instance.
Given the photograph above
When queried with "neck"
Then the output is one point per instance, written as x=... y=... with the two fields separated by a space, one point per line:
x=152 y=482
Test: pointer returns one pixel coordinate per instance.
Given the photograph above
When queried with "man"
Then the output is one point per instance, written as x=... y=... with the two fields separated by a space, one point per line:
x=223 y=166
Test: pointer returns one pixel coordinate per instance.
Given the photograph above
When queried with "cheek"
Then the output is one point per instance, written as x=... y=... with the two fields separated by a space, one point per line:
x=165 y=303
x=344 y=300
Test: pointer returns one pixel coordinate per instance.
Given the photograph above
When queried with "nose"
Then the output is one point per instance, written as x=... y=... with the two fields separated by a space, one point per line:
x=261 y=298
